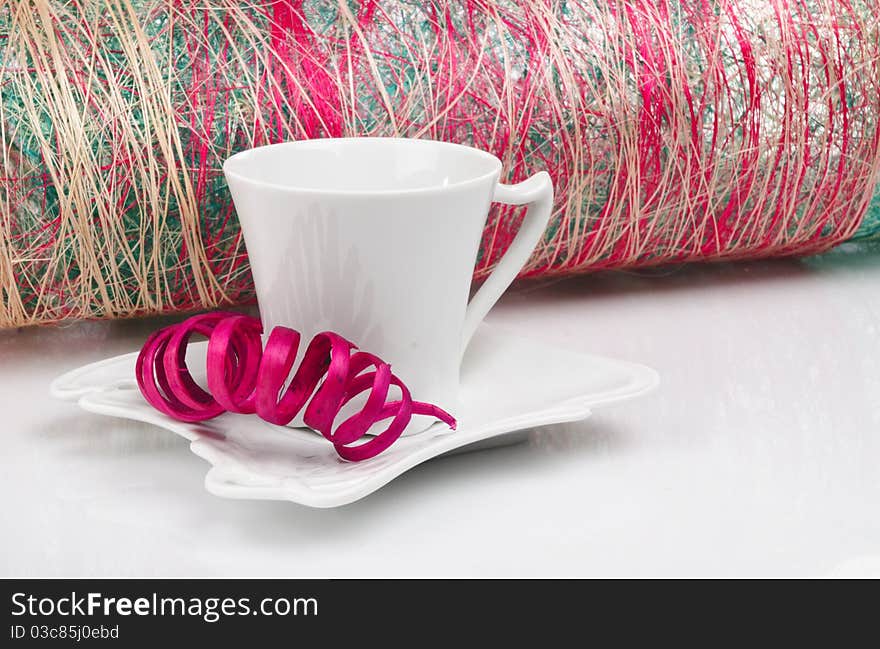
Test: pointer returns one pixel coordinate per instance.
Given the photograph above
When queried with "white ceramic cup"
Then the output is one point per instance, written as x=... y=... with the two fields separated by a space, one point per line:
x=377 y=239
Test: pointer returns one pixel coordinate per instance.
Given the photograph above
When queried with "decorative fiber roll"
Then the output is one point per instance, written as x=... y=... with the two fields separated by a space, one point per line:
x=675 y=130
x=870 y=228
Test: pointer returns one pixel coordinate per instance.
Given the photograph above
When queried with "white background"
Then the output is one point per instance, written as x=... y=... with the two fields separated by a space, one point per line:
x=758 y=456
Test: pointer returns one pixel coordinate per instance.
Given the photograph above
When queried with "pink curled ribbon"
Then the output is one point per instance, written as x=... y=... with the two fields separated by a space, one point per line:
x=245 y=378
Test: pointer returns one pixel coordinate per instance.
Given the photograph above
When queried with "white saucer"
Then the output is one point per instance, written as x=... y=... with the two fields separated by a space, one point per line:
x=509 y=383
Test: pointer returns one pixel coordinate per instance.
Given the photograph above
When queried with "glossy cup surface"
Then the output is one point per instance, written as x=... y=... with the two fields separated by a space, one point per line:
x=373 y=238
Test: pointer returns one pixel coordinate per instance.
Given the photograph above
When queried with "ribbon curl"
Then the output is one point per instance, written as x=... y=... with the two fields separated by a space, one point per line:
x=245 y=378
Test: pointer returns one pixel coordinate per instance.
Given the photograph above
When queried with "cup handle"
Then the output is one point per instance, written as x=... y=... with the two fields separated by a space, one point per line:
x=537 y=192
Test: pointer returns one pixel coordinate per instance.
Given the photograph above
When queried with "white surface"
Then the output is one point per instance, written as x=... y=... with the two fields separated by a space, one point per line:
x=376 y=239
x=758 y=456
x=509 y=383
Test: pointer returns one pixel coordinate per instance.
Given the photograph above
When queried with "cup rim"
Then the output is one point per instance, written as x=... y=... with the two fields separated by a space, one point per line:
x=230 y=162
